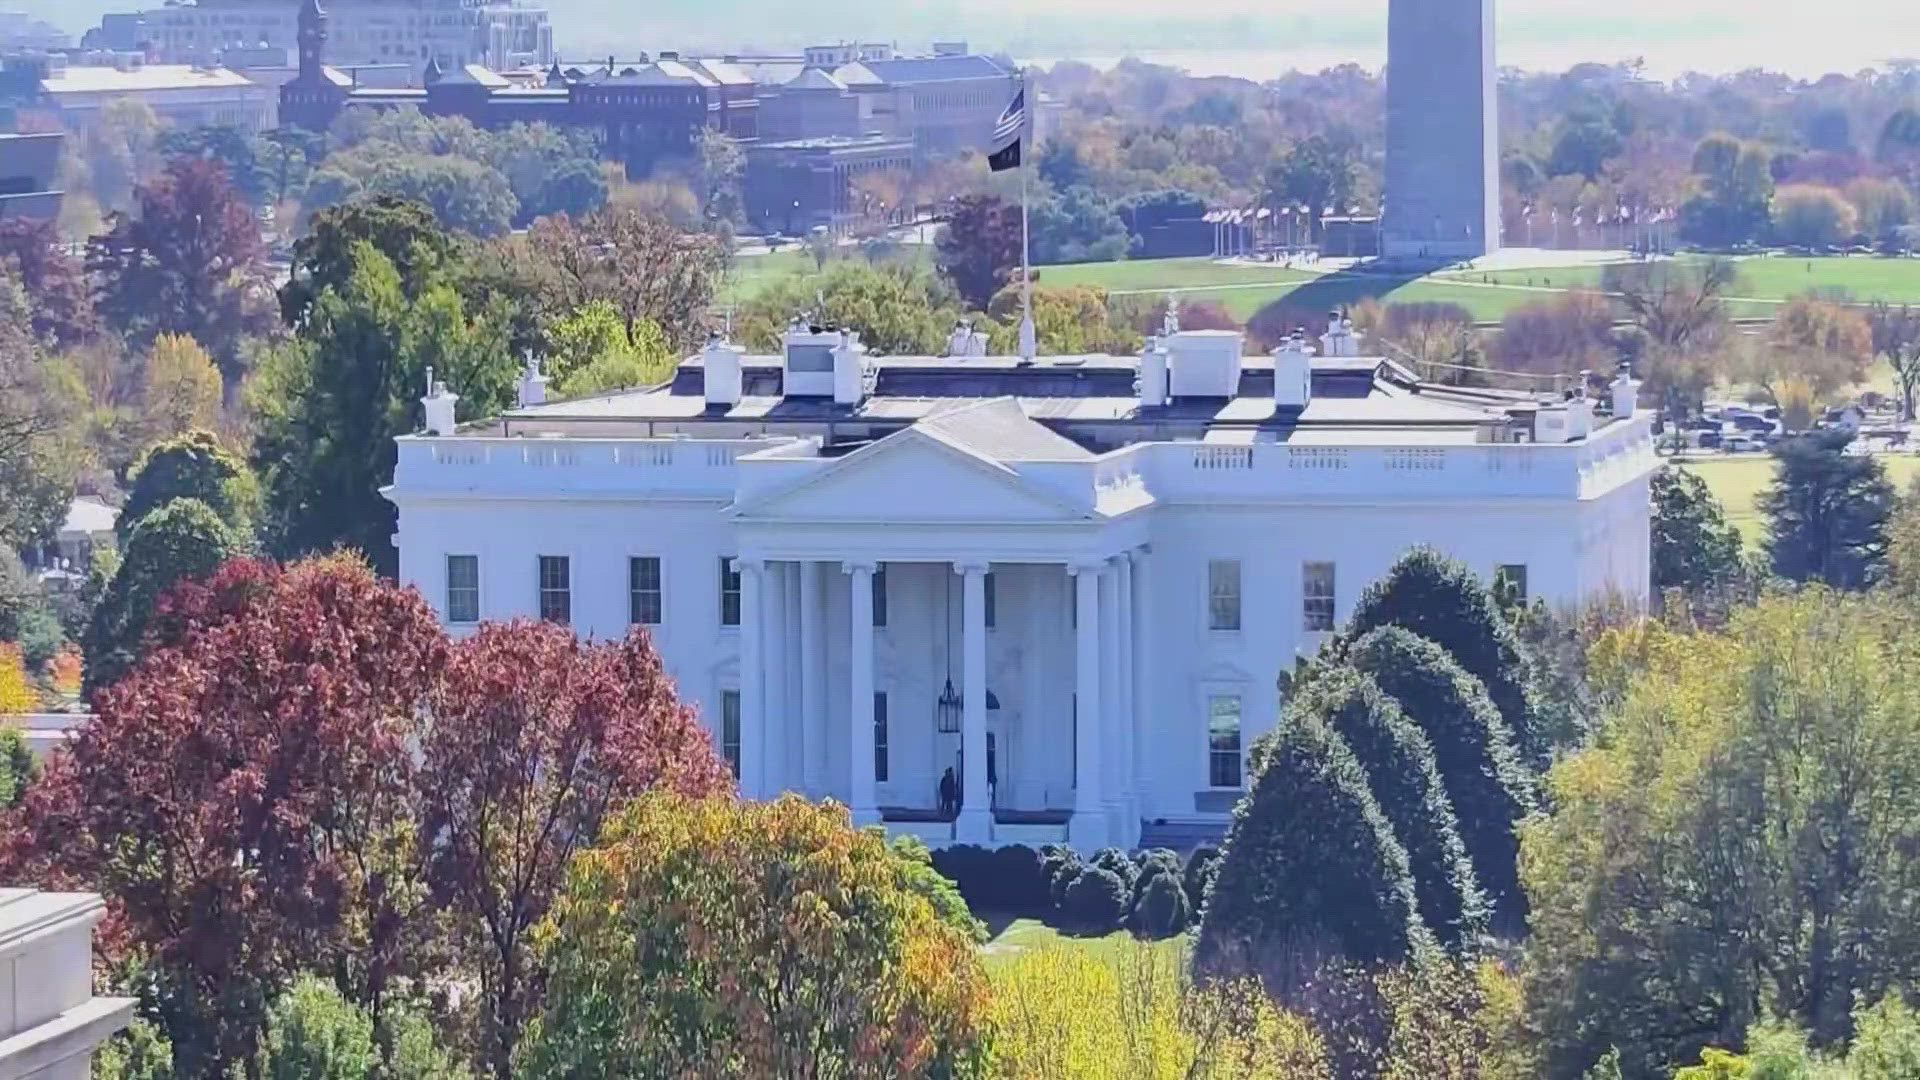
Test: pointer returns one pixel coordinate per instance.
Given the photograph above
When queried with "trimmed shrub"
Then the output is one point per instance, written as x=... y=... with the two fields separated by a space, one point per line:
x=1096 y=901
x=1400 y=771
x=1490 y=788
x=1063 y=869
x=1019 y=886
x=970 y=868
x=1198 y=877
x=1122 y=865
x=1160 y=909
x=1444 y=602
x=1156 y=860
x=1311 y=871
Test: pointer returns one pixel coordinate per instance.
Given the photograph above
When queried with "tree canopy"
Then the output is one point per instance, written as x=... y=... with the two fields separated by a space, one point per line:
x=1827 y=512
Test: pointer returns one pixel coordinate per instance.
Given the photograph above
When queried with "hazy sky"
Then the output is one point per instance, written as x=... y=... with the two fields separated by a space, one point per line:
x=1671 y=35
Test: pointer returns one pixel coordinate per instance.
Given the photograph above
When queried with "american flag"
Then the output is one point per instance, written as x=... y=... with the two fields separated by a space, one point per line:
x=1013 y=120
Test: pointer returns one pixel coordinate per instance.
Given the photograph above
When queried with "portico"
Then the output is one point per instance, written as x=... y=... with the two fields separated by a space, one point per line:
x=888 y=636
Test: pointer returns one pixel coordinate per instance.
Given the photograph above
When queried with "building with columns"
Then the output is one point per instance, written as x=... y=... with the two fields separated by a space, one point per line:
x=1072 y=580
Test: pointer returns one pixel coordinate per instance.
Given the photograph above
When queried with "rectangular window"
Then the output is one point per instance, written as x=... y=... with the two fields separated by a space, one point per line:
x=729 y=591
x=880 y=595
x=992 y=614
x=730 y=729
x=1316 y=596
x=1223 y=594
x=556 y=588
x=643 y=590
x=463 y=588
x=880 y=737
x=1510 y=583
x=1223 y=740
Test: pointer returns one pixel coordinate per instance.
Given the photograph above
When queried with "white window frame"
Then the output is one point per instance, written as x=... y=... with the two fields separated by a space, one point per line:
x=729 y=569
x=636 y=594
x=474 y=588
x=542 y=589
x=1217 y=595
x=1209 y=699
x=1313 y=619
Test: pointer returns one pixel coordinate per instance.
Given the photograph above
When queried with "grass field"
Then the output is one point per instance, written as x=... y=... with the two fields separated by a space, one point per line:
x=1768 y=278
x=1737 y=482
x=1013 y=937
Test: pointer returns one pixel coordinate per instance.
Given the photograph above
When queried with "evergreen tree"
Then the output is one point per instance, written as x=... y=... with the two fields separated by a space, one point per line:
x=184 y=539
x=1827 y=512
x=1399 y=763
x=1442 y=601
x=1311 y=872
x=1489 y=787
x=1694 y=548
x=193 y=466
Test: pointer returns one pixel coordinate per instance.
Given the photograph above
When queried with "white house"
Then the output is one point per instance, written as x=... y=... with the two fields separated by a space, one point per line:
x=1085 y=571
x=50 y=1020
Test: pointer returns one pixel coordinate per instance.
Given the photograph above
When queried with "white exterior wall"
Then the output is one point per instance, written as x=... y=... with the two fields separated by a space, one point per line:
x=1575 y=515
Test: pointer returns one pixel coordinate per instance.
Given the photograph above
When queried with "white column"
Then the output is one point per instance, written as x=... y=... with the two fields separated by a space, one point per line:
x=752 y=686
x=776 y=706
x=1123 y=733
x=975 y=823
x=813 y=677
x=860 y=694
x=1139 y=743
x=792 y=741
x=1110 y=701
x=1087 y=829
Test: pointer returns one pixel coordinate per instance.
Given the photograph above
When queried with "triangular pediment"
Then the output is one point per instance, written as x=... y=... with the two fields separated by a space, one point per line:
x=913 y=476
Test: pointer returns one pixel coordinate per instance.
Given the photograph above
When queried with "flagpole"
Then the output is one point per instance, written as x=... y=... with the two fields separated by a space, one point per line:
x=1029 y=339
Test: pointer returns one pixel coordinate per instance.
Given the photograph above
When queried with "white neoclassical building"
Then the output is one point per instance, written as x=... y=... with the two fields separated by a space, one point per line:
x=1085 y=572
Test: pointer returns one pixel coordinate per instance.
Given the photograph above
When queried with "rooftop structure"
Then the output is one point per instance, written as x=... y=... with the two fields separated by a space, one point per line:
x=29 y=168
x=181 y=95
x=50 y=1022
x=413 y=32
x=1073 y=580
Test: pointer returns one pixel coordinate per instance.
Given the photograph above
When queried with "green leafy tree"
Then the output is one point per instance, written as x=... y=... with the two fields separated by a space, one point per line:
x=140 y=1052
x=1694 y=548
x=37 y=458
x=182 y=540
x=1738 y=837
x=1399 y=763
x=465 y=195
x=590 y=349
x=312 y=1033
x=1827 y=512
x=1320 y=172
x=723 y=938
x=1490 y=789
x=1311 y=872
x=1809 y=215
x=897 y=310
x=193 y=466
x=1737 y=188
x=330 y=403
x=1441 y=600
x=401 y=229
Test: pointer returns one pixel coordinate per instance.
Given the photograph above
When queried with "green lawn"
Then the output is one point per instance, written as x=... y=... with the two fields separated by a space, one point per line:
x=1013 y=937
x=1243 y=290
x=1738 y=480
x=1762 y=278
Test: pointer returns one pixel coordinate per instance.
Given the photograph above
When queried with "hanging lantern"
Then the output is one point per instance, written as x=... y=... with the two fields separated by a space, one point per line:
x=947 y=711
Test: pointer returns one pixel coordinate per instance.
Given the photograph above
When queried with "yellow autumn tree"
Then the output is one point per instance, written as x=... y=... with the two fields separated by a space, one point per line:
x=16 y=692
x=181 y=391
x=1132 y=1013
x=715 y=937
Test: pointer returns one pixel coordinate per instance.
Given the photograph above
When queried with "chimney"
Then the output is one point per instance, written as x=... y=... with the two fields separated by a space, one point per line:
x=1580 y=411
x=1626 y=392
x=1333 y=342
x=438 y=405
x=849 y=373
x=720 y=365
x=1293 y=372
x=1153 y=373
x=960 y=342
x=533 y=384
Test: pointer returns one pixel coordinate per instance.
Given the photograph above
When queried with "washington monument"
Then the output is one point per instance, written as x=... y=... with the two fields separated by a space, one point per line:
x=1443 y=141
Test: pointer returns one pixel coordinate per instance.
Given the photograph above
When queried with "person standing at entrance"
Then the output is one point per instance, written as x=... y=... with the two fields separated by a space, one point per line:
x=949 y=795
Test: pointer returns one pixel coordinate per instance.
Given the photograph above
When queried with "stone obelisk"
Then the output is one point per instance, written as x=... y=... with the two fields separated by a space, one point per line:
x=1442 y=198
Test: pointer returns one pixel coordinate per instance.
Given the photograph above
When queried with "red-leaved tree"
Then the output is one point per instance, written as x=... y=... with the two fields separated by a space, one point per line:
x=534 y=737
x=244 y=795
